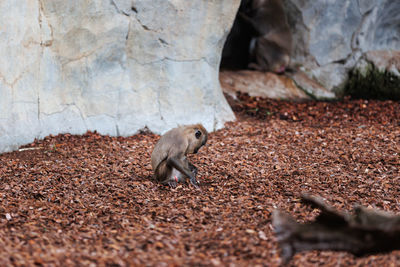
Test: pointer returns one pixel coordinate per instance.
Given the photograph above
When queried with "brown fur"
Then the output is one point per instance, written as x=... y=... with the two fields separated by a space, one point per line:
x=172 y=148
x=271 y=50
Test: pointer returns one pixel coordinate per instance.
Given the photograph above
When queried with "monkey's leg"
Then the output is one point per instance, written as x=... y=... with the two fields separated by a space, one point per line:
x=174 y=178
x=178 y=164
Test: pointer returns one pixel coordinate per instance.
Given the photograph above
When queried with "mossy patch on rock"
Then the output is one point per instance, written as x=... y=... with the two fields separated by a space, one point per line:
x=372 y=83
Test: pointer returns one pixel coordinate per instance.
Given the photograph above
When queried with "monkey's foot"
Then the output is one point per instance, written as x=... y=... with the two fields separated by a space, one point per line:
x=172 y=184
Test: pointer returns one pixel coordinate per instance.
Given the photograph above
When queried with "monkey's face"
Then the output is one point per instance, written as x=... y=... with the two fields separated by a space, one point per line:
x=271 y=57
x=197 y=138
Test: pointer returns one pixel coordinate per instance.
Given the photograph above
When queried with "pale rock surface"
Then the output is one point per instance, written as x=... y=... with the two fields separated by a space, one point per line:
x=311 y=87
x=112 y=66
x=332 y=37
x=383 y=61
x=263 y=84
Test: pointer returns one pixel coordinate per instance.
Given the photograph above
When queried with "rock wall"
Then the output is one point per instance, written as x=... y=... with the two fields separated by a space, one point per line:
x=333 y=37
x=113 y=66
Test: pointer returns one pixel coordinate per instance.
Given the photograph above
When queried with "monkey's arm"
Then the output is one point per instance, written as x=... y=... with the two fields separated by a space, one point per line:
x=193 y=169
x=255 y=66
x=176 y=163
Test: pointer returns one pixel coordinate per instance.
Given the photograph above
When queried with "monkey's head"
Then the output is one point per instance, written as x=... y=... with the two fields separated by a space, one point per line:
x=270 y=56
x=197 y=137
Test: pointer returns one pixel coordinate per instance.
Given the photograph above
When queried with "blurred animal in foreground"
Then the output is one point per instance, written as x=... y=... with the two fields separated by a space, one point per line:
x=364 y=232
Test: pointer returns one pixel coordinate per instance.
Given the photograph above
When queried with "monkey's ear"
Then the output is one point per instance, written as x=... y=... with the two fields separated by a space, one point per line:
x=198 y=134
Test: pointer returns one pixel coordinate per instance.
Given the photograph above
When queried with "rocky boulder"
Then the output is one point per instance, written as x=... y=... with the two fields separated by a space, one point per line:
x=114 y=67
x=334 y=37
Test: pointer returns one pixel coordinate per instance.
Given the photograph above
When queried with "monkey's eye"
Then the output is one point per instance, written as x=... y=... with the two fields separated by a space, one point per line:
x=198 y=134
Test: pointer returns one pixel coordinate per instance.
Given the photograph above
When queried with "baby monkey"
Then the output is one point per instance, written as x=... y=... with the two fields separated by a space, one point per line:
x=168 y=159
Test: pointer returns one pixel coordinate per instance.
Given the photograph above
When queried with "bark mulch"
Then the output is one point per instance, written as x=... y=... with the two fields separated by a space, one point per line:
x=89 y=200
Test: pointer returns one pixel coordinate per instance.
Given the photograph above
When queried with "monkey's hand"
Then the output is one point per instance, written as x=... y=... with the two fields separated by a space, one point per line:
x=194 y=182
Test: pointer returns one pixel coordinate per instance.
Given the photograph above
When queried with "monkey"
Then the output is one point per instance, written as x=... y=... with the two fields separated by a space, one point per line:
x=260 y=38
x=267 y=55
x=168 y=159
x=270 y=49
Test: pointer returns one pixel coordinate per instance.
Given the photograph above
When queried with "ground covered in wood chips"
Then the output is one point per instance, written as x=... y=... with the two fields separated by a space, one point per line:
x=89 y=200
